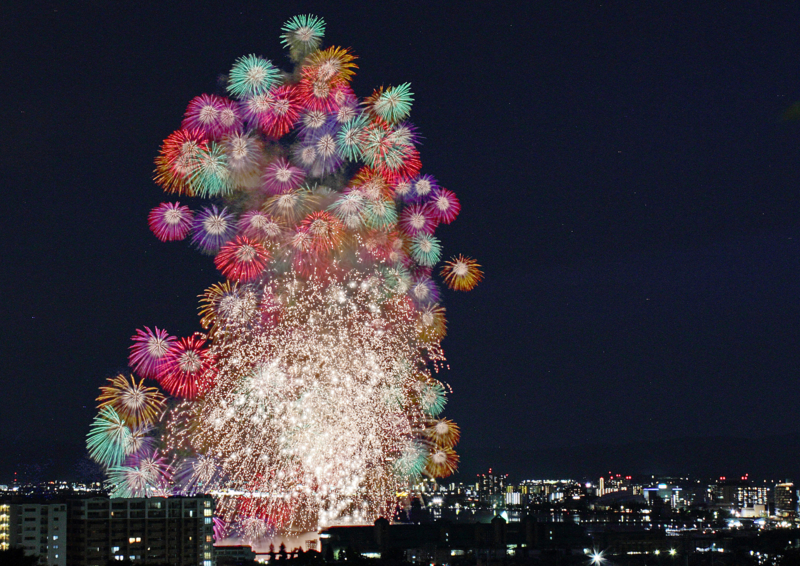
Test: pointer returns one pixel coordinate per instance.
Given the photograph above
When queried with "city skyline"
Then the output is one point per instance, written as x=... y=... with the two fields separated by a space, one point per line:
x=625 y=176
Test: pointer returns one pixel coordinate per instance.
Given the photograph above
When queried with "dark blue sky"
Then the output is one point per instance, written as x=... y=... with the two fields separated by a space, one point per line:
x=624 y=174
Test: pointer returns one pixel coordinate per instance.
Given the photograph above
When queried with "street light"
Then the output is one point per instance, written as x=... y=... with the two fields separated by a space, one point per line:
x=597 y=557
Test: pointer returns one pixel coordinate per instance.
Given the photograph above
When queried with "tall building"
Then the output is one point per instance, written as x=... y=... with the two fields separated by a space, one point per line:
x=785 y=499
x=741 y=495
x=5 y=511
x=40 y=529
x=91 y=531
x=173 y=530
x=491 y=487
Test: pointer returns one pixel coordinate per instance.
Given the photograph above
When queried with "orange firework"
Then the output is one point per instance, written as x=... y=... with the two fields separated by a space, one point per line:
x=325 y=230
x=462 y=273
x=442 y=462
x=333 y=65
x=136 y=404
x=443 y=432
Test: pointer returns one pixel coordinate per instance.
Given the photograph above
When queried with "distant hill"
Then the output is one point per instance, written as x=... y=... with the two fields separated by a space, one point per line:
x=772 y=458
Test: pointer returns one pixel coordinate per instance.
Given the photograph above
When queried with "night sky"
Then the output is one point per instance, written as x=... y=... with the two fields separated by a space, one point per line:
x=626 y=180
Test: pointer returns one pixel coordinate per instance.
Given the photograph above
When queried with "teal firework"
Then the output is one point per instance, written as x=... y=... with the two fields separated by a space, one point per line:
x=302 y=34
x=397 y=280
x=394 y=104
x=211 y=178
x=109 y=438
x=126 y=481
x=411 y=462
x=349 y=208
x=251 y=76
x=380 y=214
x=426 y=249
x=348 y=139
x=432 y=398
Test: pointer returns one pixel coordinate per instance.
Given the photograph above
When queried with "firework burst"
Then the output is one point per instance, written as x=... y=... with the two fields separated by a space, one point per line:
x=136 y=404
x=462 y=273
x=170 y=221
x=311 y=396
x=148 y=351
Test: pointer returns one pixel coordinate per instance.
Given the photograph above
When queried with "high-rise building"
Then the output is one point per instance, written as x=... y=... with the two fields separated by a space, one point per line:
x=173 y=530
x=785 y=499
x=5 y=511
x=40 y=529
x=91 y=531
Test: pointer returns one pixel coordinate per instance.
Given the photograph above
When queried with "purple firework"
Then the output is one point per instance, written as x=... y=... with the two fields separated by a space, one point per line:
x=212 y=228
x=170 y=221
x=204 y=113
x=424 y=291
x=230 y=120
x=281 y=177
x=256 y=108
x=418 y=218
x=148 y=351
x=318 y=154
x=422 y=187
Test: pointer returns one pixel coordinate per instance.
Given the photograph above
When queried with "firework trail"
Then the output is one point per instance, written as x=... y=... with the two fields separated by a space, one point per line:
x=309 y=397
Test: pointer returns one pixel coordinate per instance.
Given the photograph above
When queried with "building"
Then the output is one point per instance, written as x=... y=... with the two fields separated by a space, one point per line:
x=785 y=500
x=40 y=529
x=741 y=497
x=174 y=530
x=5 y=511
x=95 y=530
x=491 y=487
x=443 y=541
x=234 y=554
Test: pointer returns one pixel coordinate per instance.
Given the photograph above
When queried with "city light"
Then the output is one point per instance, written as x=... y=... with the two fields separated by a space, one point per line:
x=597 y=557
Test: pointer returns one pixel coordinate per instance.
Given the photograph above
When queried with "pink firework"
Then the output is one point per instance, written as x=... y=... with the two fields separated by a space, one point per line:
x=170 y=221
x=229 y=120
x=203 y=113
x=281 y=177
x=242 y=259
x=445 y=205
x=185 y=367
x=283 y=112
x=149 y=350
x=259 y=227
x=418 y=218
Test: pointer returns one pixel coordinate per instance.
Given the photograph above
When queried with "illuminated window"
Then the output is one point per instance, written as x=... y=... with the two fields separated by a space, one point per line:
x=208 y=512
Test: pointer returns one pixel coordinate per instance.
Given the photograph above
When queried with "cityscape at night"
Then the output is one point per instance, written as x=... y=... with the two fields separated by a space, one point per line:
x=623 y=519
x=445 y=285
